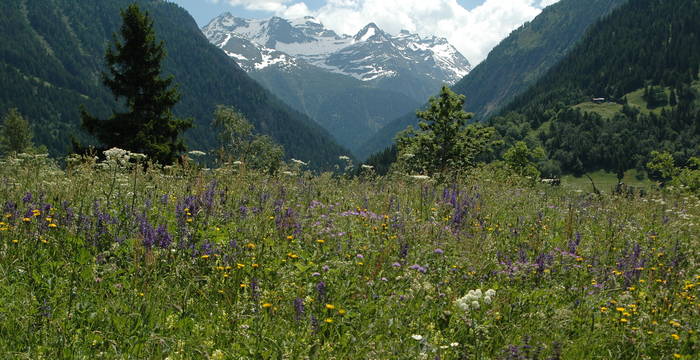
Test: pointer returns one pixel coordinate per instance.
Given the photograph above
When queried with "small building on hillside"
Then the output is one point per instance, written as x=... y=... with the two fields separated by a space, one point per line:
x=598 y=100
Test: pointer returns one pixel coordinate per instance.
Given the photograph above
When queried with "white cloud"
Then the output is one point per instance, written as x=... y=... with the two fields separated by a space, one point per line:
x=473 y=32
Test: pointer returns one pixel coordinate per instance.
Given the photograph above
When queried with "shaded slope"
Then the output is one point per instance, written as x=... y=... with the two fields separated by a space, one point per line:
x=51 y=55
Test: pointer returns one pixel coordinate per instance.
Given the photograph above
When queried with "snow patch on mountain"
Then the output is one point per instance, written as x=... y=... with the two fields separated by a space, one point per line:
x=370 y=55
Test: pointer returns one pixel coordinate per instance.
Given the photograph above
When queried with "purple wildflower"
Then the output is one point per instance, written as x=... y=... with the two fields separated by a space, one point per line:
x=298 y=308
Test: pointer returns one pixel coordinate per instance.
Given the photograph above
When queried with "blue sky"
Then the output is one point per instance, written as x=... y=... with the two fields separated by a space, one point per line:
x=205 y=10
x=474 y=27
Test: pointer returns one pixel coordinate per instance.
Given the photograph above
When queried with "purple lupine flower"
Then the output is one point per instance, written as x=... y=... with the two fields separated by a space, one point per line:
x=10 y=208
x=316 y=274
x=439 y=251
x=164 y=199
x=360 y=256
x=321 y=290
x=163 y=237
x=147 y=232
x=397 y=265
x=314 y=324
x=27 y=198
x=403 y=252
x=298 y=308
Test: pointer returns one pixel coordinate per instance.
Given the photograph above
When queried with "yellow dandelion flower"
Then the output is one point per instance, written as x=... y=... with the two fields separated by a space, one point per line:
x=240 y=266
x=342 y=312
x=255 y=266
x=330 y=306
x=677 y=356
x=250 y=246
x=675 y=337
x=205 y=256
x=15 y=241
x=266 y=305
x=244 y=285
x=623 y=320
x=53 y=225
x=603 y=309
x=329 y=320
x=290 y=237
x=620 y=309
x=26 y=219
x=320 y=241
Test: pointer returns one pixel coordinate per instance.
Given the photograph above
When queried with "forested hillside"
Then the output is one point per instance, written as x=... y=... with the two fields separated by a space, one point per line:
x=516 y=63
x=347 y=107
x=641 y=66
x=51 y=55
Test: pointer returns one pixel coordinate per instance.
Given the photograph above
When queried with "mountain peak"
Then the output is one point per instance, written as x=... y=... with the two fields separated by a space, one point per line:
x=371 y=32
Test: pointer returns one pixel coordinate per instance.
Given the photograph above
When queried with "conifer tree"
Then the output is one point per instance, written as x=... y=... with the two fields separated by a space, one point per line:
x=148 y=125
x=443 y=144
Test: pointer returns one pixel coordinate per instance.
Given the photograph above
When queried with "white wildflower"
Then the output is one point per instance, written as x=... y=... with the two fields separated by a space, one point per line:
x=299 y=162
x=344 y=158
x=417 y=337
x=421 y=177
x=475 y=305
x=490 y=292
x=367 y=167
x=197 y=153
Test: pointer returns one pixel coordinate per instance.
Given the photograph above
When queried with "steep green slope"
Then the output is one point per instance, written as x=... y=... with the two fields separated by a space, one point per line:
x=516 y=63
x=524 y=56
x=51 y=55
x=347 y=108
x=645 y=47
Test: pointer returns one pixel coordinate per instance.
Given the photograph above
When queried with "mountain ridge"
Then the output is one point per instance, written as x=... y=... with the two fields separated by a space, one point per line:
x=514 y=64
x=53 y=51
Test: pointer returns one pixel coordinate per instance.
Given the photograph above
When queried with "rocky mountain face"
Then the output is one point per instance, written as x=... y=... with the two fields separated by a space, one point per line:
x=369 y=55
x=351 y=85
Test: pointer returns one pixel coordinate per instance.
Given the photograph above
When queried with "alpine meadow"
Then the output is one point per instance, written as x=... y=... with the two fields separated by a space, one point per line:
x=246 y=183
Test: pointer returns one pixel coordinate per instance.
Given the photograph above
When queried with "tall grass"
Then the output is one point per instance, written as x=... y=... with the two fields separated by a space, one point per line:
x=116 y=262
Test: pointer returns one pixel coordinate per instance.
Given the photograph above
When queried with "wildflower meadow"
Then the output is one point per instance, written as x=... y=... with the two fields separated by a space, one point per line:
x=116 y=260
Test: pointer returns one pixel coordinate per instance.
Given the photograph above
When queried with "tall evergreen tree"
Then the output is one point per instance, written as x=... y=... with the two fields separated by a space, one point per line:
x=134 y=75
x=443 y=143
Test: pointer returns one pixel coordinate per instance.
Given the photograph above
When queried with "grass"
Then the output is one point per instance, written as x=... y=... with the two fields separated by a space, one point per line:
x=606 y=110
x=605 y=181
x=102 y=262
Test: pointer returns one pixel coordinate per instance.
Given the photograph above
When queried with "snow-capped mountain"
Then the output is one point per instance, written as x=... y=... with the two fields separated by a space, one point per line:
x=369 y=55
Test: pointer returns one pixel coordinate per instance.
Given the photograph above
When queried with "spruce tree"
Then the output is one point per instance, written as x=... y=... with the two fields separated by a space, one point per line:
x=443 y=143
x=133 y=75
